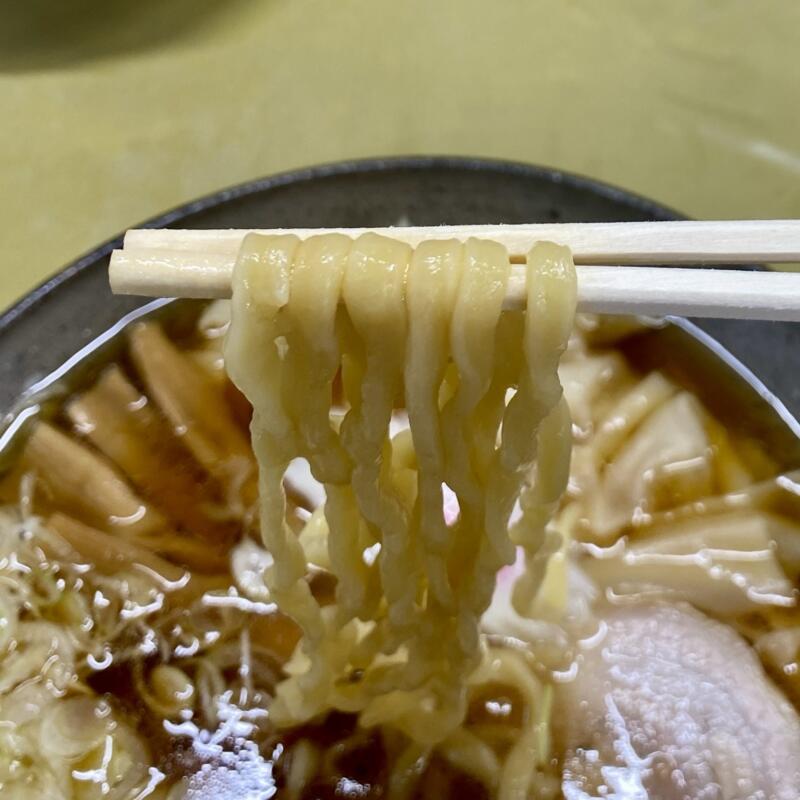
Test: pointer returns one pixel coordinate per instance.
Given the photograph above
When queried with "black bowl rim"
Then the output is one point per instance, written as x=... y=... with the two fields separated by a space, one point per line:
x=415 y=163
x=354 y=166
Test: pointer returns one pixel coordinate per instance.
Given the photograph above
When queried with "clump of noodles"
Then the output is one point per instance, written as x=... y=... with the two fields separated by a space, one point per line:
x=63 y=622
x=425 y=328
x=56 y=740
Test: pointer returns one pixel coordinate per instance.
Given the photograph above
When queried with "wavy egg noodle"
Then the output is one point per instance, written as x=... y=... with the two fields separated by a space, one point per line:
x=374 y=296
x=433 y=278
x=313 y=347
x=551 y=302
x=316 y=285
x=422 y=329
x=473 y=351
x=525 y=762
x=255 y=355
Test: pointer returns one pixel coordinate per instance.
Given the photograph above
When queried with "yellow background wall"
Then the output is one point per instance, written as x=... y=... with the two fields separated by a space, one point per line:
x=111 y=112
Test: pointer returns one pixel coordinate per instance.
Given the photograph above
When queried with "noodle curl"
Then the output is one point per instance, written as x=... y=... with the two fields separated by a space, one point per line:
x=424 y=329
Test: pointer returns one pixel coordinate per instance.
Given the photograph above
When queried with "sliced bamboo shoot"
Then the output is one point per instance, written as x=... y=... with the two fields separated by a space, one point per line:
x=82 y=483
x=196 y=408
x=725 y=564
x=111 y=554
x=181 y=549
x=122 y=423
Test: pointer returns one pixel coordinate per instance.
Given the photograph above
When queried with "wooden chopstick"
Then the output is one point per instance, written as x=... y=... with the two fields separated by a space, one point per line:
x=172 y=263
x=648 y=291
x=684 y=242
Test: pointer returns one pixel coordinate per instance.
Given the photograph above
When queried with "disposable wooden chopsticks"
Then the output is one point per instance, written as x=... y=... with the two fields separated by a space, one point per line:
x=189 y=263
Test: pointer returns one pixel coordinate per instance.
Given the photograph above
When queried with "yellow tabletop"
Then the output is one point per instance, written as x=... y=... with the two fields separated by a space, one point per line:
x=115 y=111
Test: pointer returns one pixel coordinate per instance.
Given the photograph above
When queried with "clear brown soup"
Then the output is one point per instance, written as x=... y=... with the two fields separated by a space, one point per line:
x=144 y=459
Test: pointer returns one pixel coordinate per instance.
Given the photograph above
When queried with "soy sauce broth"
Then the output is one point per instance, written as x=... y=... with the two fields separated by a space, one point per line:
x=191 y=670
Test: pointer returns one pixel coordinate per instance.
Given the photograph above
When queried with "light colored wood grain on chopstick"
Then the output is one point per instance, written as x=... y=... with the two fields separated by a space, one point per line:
x=681 y=242
x=650 y=291
x=188 y=263
x=171 y=273
x=685 y=292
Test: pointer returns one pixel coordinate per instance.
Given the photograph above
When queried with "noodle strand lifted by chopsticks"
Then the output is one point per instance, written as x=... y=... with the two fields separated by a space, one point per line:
x=422 y=328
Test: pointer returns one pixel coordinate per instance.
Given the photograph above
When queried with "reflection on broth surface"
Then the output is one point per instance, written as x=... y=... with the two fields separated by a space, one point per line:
x=140 y=648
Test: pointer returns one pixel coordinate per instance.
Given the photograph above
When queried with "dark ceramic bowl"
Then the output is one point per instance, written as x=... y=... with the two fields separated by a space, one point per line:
x=73 y=316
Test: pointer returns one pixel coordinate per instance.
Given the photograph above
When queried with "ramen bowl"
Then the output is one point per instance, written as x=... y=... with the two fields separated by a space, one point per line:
x=131 y=539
